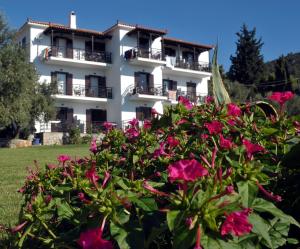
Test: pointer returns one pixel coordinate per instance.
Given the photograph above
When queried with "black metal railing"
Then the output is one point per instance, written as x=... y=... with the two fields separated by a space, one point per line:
x=194 y=97
x=84 y=127
x=82 y=90
x=193 y=65
x=149 y=53
x=157 y=91
x=78 y=54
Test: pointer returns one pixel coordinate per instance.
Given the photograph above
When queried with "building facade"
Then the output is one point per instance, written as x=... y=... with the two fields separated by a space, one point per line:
x=115 y=75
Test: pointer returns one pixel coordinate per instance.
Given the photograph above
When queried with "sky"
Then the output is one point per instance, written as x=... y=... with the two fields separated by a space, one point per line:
x=277 y=22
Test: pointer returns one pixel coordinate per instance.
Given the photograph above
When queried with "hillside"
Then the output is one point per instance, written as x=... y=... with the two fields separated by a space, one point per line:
x=293 y=61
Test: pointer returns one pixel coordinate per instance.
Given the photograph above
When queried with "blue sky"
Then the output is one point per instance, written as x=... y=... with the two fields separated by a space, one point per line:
x=276 y=21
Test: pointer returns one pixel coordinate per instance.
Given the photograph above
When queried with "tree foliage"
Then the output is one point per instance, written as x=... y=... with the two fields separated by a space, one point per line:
x=247 y=64
x=22 y=98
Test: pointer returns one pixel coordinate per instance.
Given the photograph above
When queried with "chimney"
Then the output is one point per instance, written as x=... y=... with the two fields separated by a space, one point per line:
x=72 y=23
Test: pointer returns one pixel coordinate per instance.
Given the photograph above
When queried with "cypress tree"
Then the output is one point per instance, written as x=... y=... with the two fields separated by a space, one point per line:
x=247 y=64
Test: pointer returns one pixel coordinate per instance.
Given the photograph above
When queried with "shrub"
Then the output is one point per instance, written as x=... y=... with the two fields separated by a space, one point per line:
x=197 y=177
x=74 y=135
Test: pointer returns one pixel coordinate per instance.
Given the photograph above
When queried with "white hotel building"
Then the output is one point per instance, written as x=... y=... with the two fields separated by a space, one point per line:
x=115 y=75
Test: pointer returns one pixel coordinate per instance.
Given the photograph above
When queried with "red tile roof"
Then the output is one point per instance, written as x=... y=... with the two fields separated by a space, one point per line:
x=187 y=43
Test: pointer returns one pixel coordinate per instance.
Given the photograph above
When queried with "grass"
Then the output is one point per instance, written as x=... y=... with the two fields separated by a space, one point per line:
x=13 y=164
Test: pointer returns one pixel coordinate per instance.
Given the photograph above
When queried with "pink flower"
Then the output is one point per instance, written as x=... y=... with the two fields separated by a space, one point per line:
x=106 y=178
x=93 y=146
x=198 y=238
x=233 y=110
x=281 y=97
x=147 y=124
x=92 y=175
x=214 y=127
x=187 y=170
x=225 y=143
x=252 y=148
x=172 y=142
x=132 y=132
x=182 y=121
x=63 y=158
x=51 y=166
x=208 y=99
x=204 y=136
x=19 y=227
x=108 y=125
x=161 y=151
x=271 y=196
x=231 y=122
x=92 y=239
x=147 y=186
x=237 y=223
x=189 y=222
x=134 y=122
x=188 y=105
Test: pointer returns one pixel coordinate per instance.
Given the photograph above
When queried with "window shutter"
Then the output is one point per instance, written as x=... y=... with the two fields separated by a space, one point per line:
x=151 y=84
x=87 y=86
x=136 y=79
x=54 y=81
x=69 y=86
x=102 y=87
x=69 y=48
x=88 y=119
x=174 y=85
x=54 y=47
x=138 y=113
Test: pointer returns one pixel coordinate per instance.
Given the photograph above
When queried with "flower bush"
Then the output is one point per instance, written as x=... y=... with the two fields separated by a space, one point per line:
x=195 y=177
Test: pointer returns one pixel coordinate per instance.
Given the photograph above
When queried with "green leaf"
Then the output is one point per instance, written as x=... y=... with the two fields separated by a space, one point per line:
x=120 y=235
x=64 y=210
x=269 y=131
x=147 y=204
x=261 y=228
x=292 y=241
x=135 y=159
x=184 y=238
x=248 y=192
x=291 y=159
x=173 y=217
x=262 y=205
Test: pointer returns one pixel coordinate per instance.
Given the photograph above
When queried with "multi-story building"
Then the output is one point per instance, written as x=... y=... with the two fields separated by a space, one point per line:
x=114 y=75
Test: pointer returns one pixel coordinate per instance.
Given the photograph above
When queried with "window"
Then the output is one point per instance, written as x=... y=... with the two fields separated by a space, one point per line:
x=170 y=52
x=61 y=113
x=144 y=82
x=143 y=113
x=23 y=43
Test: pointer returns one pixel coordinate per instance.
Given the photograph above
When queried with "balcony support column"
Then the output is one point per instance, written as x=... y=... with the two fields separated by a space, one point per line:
x=162 y=49
x=92 y=44
x=150 y=46
x=138 y=39
x=52 y=38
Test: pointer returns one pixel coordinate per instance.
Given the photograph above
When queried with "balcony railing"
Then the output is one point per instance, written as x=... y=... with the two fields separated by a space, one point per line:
x=65 y=126
x=81 y=90
x=148 y=53
x=157 y=91
x=193 y=65
x=194 y=97
x=78 y=54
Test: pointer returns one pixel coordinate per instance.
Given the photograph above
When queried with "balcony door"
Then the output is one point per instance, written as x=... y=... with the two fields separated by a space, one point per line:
x=62 y=47
x=62 y=83
x=95 y=119
x=191 y=91
x=143 y=113
x=144 y=83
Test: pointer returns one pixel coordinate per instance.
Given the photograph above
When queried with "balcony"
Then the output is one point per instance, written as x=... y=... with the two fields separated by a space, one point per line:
x=64 y=126
x=195 y=97
x=144 y=56
x=183 y=67
x=76 y=57
x=81 y=93
x=148 y=93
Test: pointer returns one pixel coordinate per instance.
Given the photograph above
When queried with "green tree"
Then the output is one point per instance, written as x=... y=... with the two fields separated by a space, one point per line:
x=22 y=98
x=247 y=64
x=6 y=34
x=281 y=70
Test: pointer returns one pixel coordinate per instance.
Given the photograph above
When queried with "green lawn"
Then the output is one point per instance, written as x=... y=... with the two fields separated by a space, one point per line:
x=13 y=164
